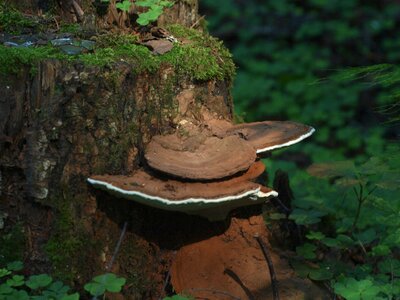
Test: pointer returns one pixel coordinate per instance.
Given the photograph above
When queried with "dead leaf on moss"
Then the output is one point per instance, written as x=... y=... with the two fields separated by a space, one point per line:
x=159 y=46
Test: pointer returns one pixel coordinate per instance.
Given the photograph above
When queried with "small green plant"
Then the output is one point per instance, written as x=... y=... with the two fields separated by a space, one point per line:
x=14 y=286
x=38 y=287
x=105 y=283
x=154 y=9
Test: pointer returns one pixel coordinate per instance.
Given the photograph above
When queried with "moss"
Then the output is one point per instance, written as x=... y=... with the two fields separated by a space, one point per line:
x=203 y=58
x=12 y=245
x=70 y=28
x=12 y=58
x=67 y=244
x=12 y=21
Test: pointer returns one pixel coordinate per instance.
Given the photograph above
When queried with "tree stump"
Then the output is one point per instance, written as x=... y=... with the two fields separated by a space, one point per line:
x=63 y=120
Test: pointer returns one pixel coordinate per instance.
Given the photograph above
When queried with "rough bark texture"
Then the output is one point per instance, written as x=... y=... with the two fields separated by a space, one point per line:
x=68 y=122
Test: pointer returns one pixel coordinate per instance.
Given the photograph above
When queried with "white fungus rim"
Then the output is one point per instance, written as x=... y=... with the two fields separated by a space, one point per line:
x=299 y=139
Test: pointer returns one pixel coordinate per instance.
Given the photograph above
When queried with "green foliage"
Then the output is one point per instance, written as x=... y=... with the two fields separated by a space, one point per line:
x=38 y=281
x=154 y=8
x=286 y=49
x=352 y=289
x=12 y=58
x=12 y=245
x=386 y=76
x=42 y=287
x=105 y=283
x=12 y=21
x=37 y=287
x=351 y=210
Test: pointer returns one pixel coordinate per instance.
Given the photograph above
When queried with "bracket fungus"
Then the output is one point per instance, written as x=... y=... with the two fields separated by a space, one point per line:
x=270 y=135
x=205 y=169
x=212 y=200
x=199 y=158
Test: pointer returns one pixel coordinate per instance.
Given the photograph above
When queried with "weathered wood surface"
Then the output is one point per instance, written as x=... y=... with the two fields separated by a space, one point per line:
x=67 y=122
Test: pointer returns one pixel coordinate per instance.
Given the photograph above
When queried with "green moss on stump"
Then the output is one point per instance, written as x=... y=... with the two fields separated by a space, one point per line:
x=12 y=244
x=67 y=245
x=201 y=58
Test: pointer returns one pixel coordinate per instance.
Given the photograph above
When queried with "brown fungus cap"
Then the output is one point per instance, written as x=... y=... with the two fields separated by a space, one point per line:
x=269 y=135
x=199 y=157
x=212 y=200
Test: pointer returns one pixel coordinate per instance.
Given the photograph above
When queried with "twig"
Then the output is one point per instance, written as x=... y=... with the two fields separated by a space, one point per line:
x=57 y=25
x=115 y=252
x=78 y=10
x=117 y=247
x=274 y=281
x=197 y=22
x=285 y=208
x=167 y=278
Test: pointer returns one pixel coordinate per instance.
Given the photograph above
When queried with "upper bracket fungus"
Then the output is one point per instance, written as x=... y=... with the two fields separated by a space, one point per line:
x=199 y=157
x=270 y=135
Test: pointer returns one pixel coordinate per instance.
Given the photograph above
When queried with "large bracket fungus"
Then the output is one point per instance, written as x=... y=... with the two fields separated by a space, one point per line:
x=212 y=200
x=205 y=170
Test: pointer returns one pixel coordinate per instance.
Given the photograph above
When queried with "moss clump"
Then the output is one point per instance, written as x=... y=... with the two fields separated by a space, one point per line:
x=12 y=21
x=66 y=245
x=12 y=245
x=202 y=58
x=12 y=58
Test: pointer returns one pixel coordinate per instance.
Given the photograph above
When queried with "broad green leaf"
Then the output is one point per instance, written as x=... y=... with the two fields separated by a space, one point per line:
x=4 y=272
x=5 y=289
x=38 y=281
x=124 y=6
x=330 y=242
x=16 y=280
x=321 y=274
x=380 y=250
x=110 y=281
x=59 y=287
x=95 y=289
x=352 y=289
x=166 y=3
x=306 y=217
x=306 y=251
x=74 y=296
x=15 y=266
x=148 y=17
x=315 y=235
x=145 y=3
x=18 y=295
x=367 y=236
x=390 y=266
x=301 y=268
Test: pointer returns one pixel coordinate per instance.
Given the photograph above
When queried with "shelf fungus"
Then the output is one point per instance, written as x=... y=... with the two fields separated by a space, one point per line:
x=205 y=169
x=199 y=157
x=270 y=135
x=213 y=200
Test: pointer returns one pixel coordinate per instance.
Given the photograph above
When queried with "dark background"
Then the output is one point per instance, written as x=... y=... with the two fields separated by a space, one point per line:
x=287 y=54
